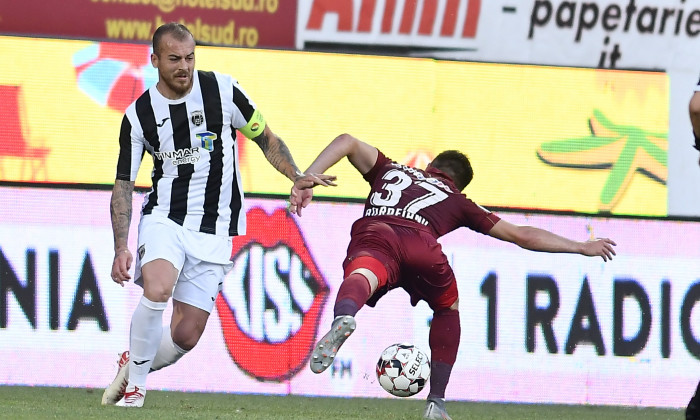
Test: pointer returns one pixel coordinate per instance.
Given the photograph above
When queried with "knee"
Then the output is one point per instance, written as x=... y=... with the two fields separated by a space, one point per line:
x=157 y=289
x=156 y=293
x=159 y=277
x=369 y=276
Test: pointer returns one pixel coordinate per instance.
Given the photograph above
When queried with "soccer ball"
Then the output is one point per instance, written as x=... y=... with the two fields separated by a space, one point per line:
x=403 y=370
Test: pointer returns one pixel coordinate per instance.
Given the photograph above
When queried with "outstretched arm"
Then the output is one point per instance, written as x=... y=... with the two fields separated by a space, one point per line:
x=360 y=154
x=536 y=239
x=277 y=153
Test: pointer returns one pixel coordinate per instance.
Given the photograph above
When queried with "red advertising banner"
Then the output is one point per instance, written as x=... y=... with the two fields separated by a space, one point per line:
x=409 y=24
x=246 y=23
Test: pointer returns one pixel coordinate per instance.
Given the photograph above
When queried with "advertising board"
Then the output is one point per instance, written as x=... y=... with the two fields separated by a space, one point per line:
x=659 y=35
x=570 y=139
x=598 y=33
x=245 y=23
x=623 y=332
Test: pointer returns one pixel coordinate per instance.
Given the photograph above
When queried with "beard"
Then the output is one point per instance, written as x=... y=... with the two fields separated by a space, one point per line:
x=176 y=85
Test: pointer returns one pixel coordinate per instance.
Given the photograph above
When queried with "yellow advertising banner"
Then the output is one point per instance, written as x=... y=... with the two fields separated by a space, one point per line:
x=567 y=139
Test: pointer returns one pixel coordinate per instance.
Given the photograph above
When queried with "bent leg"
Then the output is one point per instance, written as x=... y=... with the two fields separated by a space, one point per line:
x=193 y=300
x=185 y=329
x=187 y=325
x=365 y=272
x=168 y=352
x=362 y=278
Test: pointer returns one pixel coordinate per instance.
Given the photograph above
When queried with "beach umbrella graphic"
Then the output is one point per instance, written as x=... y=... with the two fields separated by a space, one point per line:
x=114 y=75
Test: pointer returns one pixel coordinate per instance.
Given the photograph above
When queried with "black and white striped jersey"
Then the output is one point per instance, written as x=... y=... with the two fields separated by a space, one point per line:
x=196 y=180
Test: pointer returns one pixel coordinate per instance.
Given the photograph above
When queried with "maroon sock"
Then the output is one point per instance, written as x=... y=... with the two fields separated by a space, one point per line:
x=353 y=293
x=445 y=331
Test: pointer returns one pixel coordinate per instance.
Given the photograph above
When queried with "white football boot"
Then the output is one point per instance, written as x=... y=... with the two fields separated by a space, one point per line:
x=115 y=391
x=435 y=410
x=133 y=397
x=328 y=346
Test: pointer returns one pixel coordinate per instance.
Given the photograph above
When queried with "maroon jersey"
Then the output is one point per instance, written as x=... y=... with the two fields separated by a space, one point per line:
x=406 y=211
x=402 y=195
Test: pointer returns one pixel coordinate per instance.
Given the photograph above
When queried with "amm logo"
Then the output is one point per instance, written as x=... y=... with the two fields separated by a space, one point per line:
x=622 y=149
x=272 y=299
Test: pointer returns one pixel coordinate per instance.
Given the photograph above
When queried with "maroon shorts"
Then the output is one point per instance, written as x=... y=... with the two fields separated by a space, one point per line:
x=412 y=258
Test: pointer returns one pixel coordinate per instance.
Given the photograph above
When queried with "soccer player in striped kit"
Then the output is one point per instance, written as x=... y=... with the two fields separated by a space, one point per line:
x=395 y=245
x=187 y=122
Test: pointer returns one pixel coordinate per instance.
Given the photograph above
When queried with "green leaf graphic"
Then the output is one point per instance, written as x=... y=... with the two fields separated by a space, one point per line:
x=625 y=149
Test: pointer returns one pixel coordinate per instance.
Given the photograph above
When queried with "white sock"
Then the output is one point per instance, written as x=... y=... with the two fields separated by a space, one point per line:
x=168 y=352
x=146 y=331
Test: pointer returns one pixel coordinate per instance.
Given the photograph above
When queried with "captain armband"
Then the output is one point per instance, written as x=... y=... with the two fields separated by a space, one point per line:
x=255 y=126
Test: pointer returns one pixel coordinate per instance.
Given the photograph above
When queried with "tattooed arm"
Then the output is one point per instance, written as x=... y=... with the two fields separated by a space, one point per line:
x=120 y=208
x=277 y=153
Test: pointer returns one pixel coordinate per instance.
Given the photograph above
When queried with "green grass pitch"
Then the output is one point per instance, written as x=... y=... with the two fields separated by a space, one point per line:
x=33 y=403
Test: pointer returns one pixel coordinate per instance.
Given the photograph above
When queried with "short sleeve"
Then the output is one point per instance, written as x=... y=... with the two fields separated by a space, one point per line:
x=131 y=149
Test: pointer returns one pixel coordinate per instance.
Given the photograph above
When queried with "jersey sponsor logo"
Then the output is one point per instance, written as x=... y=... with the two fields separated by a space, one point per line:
x=272 y=299
x=179 y=157
x=207 y=139
x=197 y=117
